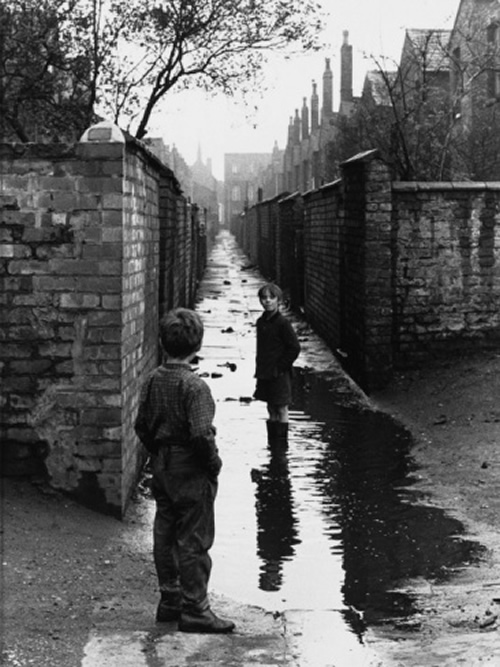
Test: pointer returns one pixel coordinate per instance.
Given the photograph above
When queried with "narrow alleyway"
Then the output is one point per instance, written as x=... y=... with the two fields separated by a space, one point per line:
x=300 y=548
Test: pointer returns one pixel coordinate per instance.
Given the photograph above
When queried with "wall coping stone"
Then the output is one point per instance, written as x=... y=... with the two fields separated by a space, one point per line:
x=103 y=132
x=291 y=197
x=364 y=156
x=321 y=190
x=423 y=186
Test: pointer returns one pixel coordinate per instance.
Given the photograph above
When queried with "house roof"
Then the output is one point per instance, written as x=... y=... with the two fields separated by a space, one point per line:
x=431 y=43
x=375 y=85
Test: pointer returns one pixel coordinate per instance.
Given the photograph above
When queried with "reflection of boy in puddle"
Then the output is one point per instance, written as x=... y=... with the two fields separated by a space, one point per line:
x=277 y=532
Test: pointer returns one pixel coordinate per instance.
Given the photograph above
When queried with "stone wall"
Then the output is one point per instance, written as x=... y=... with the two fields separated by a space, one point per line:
x=393 y=273
x=446 y=268
x=95 y=241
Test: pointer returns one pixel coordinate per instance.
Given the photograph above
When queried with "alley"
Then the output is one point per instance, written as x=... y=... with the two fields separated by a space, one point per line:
x=299 y=550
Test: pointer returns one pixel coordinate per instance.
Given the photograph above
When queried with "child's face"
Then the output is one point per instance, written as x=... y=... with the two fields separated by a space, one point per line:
x=269 y=302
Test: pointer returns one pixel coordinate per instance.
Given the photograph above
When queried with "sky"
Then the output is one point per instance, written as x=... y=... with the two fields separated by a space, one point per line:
x=215 y=125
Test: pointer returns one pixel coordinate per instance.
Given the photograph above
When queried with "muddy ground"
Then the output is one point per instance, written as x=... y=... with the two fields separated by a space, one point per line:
x=452 y=408
x=66 y=569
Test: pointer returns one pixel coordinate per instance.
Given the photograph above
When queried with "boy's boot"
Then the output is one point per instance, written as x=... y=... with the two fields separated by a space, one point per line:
x=169 y=607
x=271 y=431
x=195 y=619
x=282 y=434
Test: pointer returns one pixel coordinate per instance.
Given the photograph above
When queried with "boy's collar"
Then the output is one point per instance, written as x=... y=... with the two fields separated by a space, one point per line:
x=184 y=364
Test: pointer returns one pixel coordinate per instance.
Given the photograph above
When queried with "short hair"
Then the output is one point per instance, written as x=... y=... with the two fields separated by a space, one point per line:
x=181 y=332
x=271 y=289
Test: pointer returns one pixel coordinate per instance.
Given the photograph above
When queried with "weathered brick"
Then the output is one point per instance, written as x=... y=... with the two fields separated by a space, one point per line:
x=111 y=302
x=33 y=366
x=72 y=300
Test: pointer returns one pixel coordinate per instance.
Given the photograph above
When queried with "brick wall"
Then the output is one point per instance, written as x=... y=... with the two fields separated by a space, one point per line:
x=321 y=261
x=394 y=272
x=366 y=265
x=267 y=214
x=95 y=239
x=141 y=225
x=246 y=231
x=290 y=248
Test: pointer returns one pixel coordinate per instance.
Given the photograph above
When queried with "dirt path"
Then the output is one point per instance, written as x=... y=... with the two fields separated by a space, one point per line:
x=452 y=409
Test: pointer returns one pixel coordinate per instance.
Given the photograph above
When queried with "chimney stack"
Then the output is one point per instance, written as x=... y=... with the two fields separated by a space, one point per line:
x=296 y=128
x=346 y=69
x=314 y=108
x=327 y=90
x=305 y=120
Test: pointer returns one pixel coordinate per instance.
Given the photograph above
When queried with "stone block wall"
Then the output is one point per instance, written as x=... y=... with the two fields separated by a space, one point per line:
x=446 y=267
x=85 y=272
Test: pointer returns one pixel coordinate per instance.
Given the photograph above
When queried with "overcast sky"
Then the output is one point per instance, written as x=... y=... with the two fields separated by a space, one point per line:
x=220 y=125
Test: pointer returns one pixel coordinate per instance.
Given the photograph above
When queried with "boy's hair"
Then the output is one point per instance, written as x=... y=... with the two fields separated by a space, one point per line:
x=181 y=332
x=271 y=289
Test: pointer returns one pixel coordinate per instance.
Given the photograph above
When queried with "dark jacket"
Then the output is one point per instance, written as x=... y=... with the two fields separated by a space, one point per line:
x=277 y=346
x=176 y=411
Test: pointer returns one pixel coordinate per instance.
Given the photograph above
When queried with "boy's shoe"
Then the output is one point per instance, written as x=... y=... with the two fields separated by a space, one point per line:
x=169 y=608
x=204 y=621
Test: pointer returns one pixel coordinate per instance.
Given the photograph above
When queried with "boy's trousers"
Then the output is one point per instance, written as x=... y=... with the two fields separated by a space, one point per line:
x=183 y=531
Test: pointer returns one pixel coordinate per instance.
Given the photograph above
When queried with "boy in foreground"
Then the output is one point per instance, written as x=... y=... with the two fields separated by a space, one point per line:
x=175 y=424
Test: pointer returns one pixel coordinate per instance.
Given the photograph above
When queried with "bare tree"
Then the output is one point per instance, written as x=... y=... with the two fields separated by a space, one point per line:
x=52 y=55
x=63 y=61
x=475 y=89
x=435 y=115
x=219 y=45
x=409 y=116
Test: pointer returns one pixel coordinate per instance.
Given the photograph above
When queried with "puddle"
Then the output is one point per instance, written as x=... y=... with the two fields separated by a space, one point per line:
x=334 y=524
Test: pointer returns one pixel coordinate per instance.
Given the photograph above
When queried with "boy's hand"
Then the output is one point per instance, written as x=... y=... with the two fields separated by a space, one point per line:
x=214 y=466
x=208 y=454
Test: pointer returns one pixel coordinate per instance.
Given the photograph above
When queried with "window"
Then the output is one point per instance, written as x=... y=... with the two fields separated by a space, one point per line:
x=493 y=39
x=235 y=193
x=234 y=168
x=457 y=71
x=492 y=35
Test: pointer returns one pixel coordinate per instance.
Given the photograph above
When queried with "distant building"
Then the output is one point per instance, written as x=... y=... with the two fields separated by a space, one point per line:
x=205 y=189
x=475 y=88
x=305 y=164
x=242 y=181
x=425 y=63
x=197 y=182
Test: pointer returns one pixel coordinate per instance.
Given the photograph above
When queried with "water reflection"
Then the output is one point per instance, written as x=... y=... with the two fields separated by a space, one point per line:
x=276 y=522
x=375 y=522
